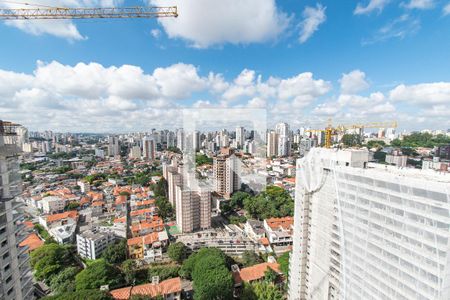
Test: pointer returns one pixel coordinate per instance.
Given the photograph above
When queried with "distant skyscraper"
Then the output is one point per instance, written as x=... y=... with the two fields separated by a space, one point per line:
x=282 y=129
x=15 y=275
x=180 y=139
x=148 y=148
x=113 y=145
x=196 y=141
x=170 y=139
x=135 y=152
x=240 y=136
x=272 y=144
x=368 y=231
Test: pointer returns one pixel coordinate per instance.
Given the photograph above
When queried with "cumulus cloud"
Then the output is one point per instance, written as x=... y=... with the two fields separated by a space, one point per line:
x=424 y=93
x=353 y=82
x=372 y=5
x=204 y=23
x=312 y=18
x=60 y=28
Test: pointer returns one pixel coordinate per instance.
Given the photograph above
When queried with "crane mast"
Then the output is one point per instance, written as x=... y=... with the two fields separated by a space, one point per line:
x=87 y=13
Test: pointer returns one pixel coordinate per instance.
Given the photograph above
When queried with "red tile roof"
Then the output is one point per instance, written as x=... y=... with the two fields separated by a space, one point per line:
x=166 y=287
x=121 y=199
x=33 y=241
x=254 y=272
x=73 y=214
x=276 y=223
x=146 y=239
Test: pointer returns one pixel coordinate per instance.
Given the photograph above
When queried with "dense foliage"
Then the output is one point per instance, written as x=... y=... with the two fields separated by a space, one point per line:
x=375 y=144
x=50 y=259
x=208 y=269
x=418 y=139
x=64 y=281
x=97 y=274
x=160 y=188
x=177 y=252
x=261 y=291
x=273 y=202
x=165 y=209
x=283 y=261
x=81 y=295
x=95 y=177
x=250 y=258
x=202 y=159
x=116 y=253
x=351 y=140
x=163 y=272
x=174 y=149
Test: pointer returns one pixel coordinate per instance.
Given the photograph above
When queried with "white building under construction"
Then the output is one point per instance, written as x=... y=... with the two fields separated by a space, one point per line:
x=367 y=231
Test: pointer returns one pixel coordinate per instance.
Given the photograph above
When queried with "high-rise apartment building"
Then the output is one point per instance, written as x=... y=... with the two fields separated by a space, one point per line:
x=15 y=274
x=226 y=175
x=148 y=148
x=240 y=136
x=272 y=144
x=369 y=231
x=113 y=145
x=180 y=139
x=193 y=209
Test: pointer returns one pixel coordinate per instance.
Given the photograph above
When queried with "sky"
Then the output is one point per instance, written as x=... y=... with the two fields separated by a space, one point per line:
x=303 y=61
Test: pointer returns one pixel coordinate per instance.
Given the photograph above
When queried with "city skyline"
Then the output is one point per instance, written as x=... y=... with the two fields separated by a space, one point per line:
x=362 y=60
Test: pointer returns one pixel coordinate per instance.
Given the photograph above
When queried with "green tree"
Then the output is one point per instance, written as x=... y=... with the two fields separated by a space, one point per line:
x=81 y=295
x=209 y=272
x=160 y=188
x=351 y=140
x=165 y=209
x=50 y=259
x=129 y=270
x=64 y=281
x=174 y=149
x=237 y=200
x=97 y=274
x=72 y=206
x=202 y=159
x=375 y=144
x=250 y=258
x=273 y=202
x=116 y=253
x=267 y=291
x=270 y=275
x=177 y=252
x=283 y=261
x=163 y=272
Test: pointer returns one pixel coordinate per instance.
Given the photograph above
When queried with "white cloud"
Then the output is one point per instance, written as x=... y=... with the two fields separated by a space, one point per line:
x=399 y=28
x=204 y=23
x=353 y=82
x=60 y=28
x=312 y=18
x=156 y=33
x=424 y=93
x=446 y=10
x=419 y=4
x=373 y=5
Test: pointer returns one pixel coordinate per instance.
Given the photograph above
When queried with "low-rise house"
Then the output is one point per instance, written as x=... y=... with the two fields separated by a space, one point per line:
x=254 y=229
x=169 y=289
x=60 y=219
x=146 y=227
x=279 y=230
x=91 y=243
x=253 y=273
x=32 y=241
x=148 y=247
x=64 y=234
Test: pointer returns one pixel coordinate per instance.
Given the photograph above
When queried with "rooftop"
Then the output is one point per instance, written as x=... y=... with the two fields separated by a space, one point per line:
x=169 y=286
x=254 y=272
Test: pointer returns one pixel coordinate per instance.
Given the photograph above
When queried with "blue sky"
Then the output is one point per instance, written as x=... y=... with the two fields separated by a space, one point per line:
x=396 y=55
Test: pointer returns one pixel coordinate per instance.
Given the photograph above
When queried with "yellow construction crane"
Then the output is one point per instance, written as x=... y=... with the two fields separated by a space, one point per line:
x=330 y=130
x=48 y=12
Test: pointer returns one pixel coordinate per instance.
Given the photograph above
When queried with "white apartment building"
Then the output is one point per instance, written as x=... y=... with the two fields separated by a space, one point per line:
x=52 y=205
x=226 y=171
x=135 y=152
x=113 y=146
x=15 y=274
x=272 y=144
x=369 y=231
x=240 y=136
x=193 y=209
x=148 y=148
x=92 y=243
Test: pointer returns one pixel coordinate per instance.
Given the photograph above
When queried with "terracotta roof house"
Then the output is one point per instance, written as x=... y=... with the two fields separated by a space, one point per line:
x=170 y=289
